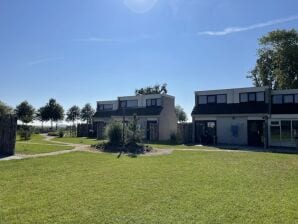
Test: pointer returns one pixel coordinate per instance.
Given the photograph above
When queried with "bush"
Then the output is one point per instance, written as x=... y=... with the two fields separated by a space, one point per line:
x=61 y=133
x=53 y=133
x=129 y=148
x=114 y=133
x=25 y=133
x=175 y=139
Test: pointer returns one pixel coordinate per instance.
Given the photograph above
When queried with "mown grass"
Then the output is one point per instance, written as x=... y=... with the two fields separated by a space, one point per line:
x=75 y=140
x=37 y=145
x=29 y=149
x=35 y=138
x=184 y=187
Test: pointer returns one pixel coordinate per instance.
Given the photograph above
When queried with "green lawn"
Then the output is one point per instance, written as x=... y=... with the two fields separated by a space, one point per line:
x=27 y=148
x=84 y=141
x=181 y=146
x=37 y=145
x=35 y=138
x=184 y=187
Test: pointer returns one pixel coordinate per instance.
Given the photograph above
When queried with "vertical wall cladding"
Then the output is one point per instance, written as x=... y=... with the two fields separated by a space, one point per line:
x=232 y=130
x=8 y=129
x=168 y=119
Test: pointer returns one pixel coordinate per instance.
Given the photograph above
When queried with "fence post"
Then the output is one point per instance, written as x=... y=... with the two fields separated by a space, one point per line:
x=8 y=130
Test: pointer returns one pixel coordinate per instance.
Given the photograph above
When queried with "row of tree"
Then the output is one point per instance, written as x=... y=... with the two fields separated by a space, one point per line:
x=52 y=112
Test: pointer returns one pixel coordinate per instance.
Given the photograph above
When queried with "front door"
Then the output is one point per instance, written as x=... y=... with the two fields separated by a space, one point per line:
x=255 y=131
x=205 y=132
x=152 y=130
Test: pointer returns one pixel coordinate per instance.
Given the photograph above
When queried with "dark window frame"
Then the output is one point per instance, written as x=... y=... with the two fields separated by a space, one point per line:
x=226 y=98
x=153 y=102
x=215 y=99
x=283 y=98
x=255 y=97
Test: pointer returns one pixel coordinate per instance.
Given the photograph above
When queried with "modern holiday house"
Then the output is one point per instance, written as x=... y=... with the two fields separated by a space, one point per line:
x=256 y=116
x=156 y=114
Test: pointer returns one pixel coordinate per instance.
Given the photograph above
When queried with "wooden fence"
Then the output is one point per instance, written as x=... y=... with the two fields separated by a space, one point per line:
x=185 y=131
x=8 y=129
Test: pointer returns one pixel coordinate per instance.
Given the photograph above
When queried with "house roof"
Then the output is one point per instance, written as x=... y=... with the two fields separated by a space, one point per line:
x=141 y=111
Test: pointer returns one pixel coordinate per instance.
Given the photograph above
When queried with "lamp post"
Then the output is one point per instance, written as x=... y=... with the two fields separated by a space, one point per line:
x=123 y=126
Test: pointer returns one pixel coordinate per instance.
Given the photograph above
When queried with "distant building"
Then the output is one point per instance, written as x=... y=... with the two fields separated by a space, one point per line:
x=156 y=114
x=254 y=116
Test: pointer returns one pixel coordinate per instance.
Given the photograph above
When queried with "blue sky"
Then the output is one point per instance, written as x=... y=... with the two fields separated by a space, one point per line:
x=80 y=51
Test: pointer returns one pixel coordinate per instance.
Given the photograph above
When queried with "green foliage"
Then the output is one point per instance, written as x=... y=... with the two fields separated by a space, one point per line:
x=87 y=113
x=114 y=132
x=25 y=133
x=156 y=89
x=25 y=112
x=277 y=63
x=134 y=131
x=54 y=111
x=5 y=109
x=42 y=115
x=180 y=113
x=73 y=114
x=61 y=133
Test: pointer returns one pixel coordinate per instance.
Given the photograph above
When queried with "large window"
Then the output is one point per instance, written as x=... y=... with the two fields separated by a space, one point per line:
x=288 y=98
x=132 y=103
x=296 y=98
x=222 y=98
x=106 y=107
x=202 y=99
x=277 y=99
x=295 y=129
x=286 y=131
x=212 y=99
x=260 y=97
x=153 y=102
x=252 y=97
x=243 y=98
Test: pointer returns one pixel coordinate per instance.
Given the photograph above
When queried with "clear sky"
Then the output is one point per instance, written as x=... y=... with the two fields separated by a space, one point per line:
x=80 y=51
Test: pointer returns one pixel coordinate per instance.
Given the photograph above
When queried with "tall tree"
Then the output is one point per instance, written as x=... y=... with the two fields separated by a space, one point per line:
x=42 y=115
x=87 y=113
x=54 y=111
x=181 y=115
x=156 y=89
x=73 y=114
x=277 y=63
x=25 y=112
x=5 y=109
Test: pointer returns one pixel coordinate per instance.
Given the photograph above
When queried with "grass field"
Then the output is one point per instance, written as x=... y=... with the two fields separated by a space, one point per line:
x=28 y=149
x=84 y=141
x=37 y=145
x=184 y=187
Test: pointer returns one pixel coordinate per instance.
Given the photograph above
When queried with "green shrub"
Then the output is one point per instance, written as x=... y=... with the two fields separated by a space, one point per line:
x=61 y=133
x=25 y=133
x=114 y=132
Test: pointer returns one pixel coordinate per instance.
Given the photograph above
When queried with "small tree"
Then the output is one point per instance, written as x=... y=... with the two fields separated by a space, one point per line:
x=41 y=115
x=181 y=115
x=25 y=112
x=54 y=111
x=87 y=113
x=114 y=133
x=73 y=114
x=134 y=131
x=4 y=109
